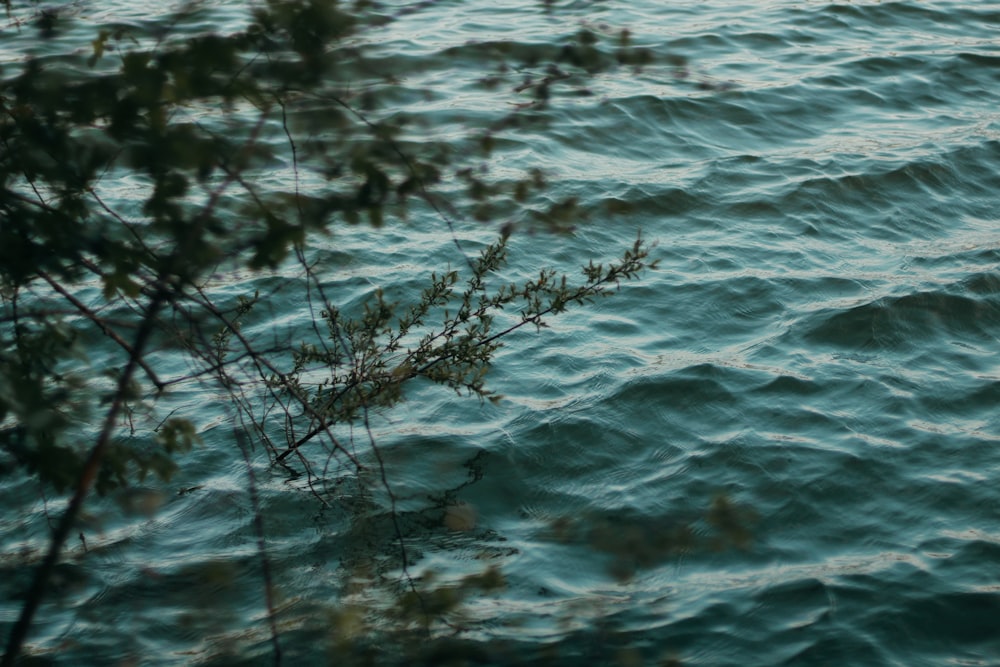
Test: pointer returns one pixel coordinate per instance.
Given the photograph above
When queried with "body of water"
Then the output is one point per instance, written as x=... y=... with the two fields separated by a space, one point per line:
x=779 y=447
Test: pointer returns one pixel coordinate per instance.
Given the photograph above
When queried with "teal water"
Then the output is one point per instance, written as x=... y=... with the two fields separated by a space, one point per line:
x=816 y=355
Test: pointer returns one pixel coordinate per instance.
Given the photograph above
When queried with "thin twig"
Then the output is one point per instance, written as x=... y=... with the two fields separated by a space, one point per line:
x=104 y=327
x=258 y=525
x=393 y=515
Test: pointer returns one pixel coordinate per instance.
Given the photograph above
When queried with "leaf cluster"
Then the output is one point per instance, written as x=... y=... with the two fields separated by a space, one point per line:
x=449 y=336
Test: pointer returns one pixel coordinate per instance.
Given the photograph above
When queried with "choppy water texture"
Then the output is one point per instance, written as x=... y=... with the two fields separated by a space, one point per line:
x=816 y=355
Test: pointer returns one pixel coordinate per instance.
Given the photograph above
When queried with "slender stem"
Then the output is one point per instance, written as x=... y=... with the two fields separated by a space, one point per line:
x=86 y=480
x=265 y=563
x=104 y=327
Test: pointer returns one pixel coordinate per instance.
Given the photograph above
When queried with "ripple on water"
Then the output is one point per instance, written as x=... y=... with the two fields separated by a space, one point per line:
x=813 y=360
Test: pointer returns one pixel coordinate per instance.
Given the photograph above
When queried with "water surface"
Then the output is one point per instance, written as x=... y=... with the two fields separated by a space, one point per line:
x=815 y=358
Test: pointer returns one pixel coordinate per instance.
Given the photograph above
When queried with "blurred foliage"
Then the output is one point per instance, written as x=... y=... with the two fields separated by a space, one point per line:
x=72 y=126
x=97 y=290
